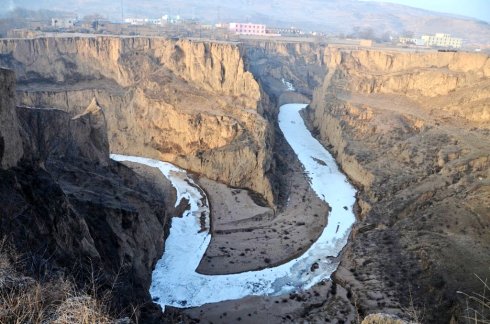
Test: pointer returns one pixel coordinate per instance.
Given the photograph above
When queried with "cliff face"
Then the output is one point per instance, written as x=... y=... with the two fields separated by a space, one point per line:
x=460 y=79
x=68 y=207
x=185 y=102
x=217 y=67
x=10 y=141
x=275 y=63
x=411 y=130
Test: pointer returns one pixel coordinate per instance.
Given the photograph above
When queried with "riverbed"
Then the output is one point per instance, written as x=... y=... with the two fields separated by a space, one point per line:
x=175 y=281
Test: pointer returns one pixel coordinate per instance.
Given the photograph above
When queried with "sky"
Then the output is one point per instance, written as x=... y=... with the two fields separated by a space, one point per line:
x=479 y=9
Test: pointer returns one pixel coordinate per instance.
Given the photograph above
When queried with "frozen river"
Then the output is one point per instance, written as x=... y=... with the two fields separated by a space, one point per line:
x=175 y=281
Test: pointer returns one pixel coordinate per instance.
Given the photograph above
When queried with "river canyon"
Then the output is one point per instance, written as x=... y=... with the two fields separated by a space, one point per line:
x=410 y=130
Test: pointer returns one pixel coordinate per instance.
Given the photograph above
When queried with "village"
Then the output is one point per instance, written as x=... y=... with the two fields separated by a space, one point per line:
x=175 y=26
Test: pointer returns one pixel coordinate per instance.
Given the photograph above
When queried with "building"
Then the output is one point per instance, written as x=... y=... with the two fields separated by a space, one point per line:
x=143 y=21
x=247 y=29
x=135 y=21
x=153 y=21
x=292 y=31
x=412 y=41
x=442 y=40
x=63 y=22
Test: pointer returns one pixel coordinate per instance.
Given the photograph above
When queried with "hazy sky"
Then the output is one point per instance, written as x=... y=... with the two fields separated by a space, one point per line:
x=479 y=9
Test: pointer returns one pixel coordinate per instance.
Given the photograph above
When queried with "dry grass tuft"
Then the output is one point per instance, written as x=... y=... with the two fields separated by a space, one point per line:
x=25 y=300
x=83 y=309
x=478 y=304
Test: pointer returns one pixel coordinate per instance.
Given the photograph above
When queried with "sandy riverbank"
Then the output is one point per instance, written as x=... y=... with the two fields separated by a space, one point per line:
x=325 y=301
x=246 y=236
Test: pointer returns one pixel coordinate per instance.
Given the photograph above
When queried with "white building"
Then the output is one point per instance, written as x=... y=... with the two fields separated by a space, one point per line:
x=247 y=29
x=412 y=41
x=63 y=22
x=151 y=21
x=442 y=40
x=135 y=21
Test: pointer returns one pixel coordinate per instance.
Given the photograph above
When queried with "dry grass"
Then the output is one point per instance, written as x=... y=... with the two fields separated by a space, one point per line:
x=25 y=300
x=416 y=315
x=478 y=304
x=83 y=309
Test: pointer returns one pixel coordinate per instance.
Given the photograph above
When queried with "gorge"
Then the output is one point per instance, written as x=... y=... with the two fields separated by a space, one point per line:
x=175 y=281
x=409 y=129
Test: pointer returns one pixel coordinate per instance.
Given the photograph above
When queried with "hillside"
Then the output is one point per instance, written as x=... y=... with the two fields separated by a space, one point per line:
x=331 y=16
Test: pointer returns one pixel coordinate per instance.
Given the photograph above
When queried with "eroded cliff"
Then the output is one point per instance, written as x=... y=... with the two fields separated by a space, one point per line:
x=69 y=209
x=191 y=103
x=411 y=130
x=445 y=83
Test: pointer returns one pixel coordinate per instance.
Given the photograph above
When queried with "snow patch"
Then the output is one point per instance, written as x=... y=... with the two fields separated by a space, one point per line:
x=289 y=85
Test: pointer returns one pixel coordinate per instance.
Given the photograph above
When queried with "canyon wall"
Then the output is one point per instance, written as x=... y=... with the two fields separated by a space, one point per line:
x=275 y=64
x=10 y=141
x=67 y=208
x=190 y=103
x=216 y=67
x=411 y=130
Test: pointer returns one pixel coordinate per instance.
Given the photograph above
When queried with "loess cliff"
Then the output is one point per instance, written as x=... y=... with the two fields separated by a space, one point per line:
x=189 y=103
x=412 y=131
x=70 y=210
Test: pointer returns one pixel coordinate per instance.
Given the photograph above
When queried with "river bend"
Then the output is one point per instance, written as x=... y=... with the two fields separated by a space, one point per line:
x=175 y=281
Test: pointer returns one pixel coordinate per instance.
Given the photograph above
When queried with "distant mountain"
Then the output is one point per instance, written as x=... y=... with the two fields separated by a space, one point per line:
x=331 y=16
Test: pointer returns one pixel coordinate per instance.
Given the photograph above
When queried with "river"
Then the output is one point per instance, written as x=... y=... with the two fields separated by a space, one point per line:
x=175 y=281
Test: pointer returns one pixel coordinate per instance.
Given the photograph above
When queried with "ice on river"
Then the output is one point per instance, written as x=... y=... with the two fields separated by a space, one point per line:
x=175 y=281
x=288 y=84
